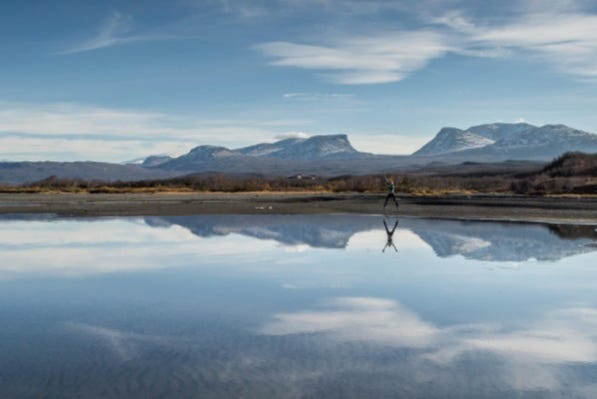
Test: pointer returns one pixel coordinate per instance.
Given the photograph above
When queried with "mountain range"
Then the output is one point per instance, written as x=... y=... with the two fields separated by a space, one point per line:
x=326 y=155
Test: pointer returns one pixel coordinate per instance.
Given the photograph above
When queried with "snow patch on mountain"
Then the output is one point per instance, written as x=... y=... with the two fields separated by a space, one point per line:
x=453 y=140
x=510 y=141
x=302 y=148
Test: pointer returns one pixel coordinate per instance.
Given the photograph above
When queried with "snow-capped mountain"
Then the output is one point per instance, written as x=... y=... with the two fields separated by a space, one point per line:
x=267 y=149
x=209 y=151
x=266 y=156
x=315 y=147
x=155 y=160
x=509 y=141
x=152 y=160
x=450 y=139
x=326 y=155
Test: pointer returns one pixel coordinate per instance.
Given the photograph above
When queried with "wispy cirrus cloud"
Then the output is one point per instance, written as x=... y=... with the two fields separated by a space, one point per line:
x=563 y=37
x=304 y=96
x=70 y=131
x=118 y=29
x=361 y=60
x=566 y=40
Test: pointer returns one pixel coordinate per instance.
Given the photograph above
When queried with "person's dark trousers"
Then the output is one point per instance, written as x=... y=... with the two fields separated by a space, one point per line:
x=393 y=197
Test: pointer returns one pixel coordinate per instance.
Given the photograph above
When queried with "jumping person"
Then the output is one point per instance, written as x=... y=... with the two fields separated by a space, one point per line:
x=390 y=234
x=391 y=189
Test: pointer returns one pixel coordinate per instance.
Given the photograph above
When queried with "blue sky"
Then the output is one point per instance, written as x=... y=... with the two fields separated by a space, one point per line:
x=117 y=80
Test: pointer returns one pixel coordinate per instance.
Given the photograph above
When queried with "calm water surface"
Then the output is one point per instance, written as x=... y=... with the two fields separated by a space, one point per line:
x=296 y=306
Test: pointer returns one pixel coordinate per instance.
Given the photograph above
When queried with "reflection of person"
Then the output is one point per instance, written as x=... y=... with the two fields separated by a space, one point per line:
x=391 y=189
x=390 y=234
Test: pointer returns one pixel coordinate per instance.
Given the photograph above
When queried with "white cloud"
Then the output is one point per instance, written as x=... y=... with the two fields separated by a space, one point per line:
x=41 y=148
x=299 y=96
x=74 y=132
x=567 y=40
x=68 y=119
x=564 y=37
x=362 y=60
x=336 y=8
x=116 y=30
x=292 y=135
x=455 y=20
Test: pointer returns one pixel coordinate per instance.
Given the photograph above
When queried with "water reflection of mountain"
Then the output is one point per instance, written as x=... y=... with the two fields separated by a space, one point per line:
x=318 y=231
x=504 y=241
x=474 y=240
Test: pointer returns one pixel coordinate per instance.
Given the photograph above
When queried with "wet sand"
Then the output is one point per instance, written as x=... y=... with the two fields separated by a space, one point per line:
x=537 y=209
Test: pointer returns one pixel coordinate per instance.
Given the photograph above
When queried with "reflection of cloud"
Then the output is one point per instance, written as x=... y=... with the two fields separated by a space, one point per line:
x=120 y=343
x=76 y=248
x=564 y=336
x=368 y=319
x=521 y=358
x=124 y=345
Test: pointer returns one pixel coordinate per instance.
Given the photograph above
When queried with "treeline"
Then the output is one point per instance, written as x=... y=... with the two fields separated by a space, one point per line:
x=572 y=173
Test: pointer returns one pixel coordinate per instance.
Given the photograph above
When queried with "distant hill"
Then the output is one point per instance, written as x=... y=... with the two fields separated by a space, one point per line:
x=501 y=141
x=24 y=172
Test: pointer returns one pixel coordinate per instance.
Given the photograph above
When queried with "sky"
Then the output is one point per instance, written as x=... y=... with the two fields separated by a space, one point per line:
x=119 y=80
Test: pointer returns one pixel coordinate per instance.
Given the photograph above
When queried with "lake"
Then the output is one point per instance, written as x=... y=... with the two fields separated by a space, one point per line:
x=264 y=306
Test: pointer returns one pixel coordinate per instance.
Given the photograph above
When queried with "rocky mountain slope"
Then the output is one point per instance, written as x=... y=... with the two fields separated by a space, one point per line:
x=315 y=147
x=263 y=157
x=508 y=141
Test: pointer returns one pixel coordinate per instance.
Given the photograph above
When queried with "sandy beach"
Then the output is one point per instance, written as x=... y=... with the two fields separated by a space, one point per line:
x=537 y=209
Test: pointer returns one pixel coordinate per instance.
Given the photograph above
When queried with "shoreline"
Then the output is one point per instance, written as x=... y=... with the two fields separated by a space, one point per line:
x=581 y=210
